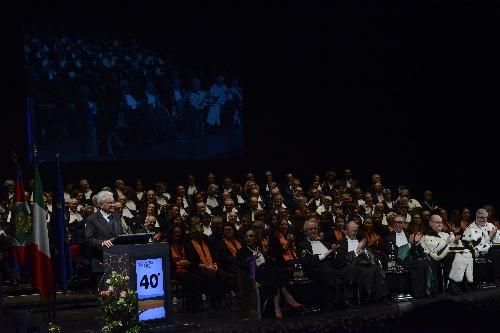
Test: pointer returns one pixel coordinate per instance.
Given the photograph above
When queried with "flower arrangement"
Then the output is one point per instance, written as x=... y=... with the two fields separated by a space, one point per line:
x=118 y=306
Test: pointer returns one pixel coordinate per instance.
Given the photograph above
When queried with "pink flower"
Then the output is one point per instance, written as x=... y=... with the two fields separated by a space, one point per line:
x=111 y=289
x=104 y=294
x=123 y=294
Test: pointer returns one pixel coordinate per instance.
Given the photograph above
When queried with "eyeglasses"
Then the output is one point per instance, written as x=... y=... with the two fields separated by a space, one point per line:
x=481 y=217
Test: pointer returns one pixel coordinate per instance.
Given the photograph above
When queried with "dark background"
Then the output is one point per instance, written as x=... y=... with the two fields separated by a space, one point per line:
x=407 y=89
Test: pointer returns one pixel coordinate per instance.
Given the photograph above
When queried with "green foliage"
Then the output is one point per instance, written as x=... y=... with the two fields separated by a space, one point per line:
x=118 y=306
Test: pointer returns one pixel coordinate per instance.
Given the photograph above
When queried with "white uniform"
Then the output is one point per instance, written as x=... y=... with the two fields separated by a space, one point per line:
x=480 y=238
x=437 y=247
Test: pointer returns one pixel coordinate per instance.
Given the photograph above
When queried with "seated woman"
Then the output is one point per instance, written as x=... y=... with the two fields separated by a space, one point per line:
x=416 y=226
x=373 y=241
x=271 y=280
x=228 y=246
x=338 y=232
x=262 y=238
x=282 y=243
x=180 y=267
x=203 y=261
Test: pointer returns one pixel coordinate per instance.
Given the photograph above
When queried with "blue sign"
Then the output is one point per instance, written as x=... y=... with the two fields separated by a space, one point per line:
x=150 y=291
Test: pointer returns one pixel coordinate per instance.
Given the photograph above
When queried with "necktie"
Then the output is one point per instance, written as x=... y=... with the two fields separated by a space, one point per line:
x=110 y=221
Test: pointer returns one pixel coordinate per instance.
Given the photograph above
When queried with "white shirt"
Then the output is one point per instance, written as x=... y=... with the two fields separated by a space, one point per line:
x=177 y=95
x=184 y=203
x=105 y=215
x=233 y=210
x=207 y=230
x=240 y=199
x=219 y=92
x=161 y=200
x=212 y=202
x=131 y=102
x=88 y=195
x=259 y=258
x=139 y=195
x=319 y=248
x=127 y=213
x=412 y=204
x=74 y=217
x=322 y=209
x=151 y=99
x=196 y=98
x=352 y=245
x=401 y=239
x=408 y=218
x=130 y=205
x=191 y=190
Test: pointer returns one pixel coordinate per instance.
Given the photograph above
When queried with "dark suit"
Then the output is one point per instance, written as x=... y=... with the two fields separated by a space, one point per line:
x=418 y=269
x=97 y=230
x=369 y=275
x=214 y=283
x=332 y=273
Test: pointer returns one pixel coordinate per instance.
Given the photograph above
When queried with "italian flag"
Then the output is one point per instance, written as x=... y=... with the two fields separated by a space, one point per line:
x=43 y=276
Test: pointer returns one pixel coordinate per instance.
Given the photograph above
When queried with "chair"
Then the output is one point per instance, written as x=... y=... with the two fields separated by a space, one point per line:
x=483 y=273
x=176 y=290
x=397 y=280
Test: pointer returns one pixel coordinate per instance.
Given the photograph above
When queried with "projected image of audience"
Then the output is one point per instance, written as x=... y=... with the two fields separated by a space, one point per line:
x=102 y=97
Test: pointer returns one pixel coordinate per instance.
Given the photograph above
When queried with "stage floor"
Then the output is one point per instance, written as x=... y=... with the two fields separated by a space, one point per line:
x=78 y=313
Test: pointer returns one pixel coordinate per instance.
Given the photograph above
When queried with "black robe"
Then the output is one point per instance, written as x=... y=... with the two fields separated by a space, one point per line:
x=333 y=273
x=417 y=269
x=368 y=274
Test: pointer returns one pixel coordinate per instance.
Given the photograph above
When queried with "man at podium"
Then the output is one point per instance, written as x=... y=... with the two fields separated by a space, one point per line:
x=100 y=229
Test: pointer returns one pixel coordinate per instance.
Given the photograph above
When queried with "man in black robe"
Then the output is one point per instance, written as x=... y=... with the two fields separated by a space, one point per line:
x=327 y=264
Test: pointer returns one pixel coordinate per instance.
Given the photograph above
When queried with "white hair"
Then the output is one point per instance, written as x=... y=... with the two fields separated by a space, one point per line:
x=101 y=197
x=481 y=211
x=149 y=217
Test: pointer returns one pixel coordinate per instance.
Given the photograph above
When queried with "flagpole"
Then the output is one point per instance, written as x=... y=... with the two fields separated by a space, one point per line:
x=53 y=326
x=55 y=280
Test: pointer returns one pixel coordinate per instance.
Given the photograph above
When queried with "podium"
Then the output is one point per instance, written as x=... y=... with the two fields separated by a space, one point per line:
x=148 y=269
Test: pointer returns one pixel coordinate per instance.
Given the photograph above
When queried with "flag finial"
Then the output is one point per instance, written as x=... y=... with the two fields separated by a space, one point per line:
x=15 y=158
x=35 y=153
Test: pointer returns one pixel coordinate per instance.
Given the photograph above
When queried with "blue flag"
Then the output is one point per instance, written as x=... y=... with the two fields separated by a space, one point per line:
x=61 y=258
